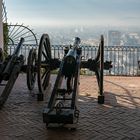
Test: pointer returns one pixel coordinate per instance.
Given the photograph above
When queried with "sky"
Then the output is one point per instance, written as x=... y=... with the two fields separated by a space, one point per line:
x=74 y=12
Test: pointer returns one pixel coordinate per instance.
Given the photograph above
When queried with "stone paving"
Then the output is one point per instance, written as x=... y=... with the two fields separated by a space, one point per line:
x=117 y=119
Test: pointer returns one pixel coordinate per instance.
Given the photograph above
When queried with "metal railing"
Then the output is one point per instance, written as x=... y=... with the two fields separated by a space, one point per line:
x=124 y=58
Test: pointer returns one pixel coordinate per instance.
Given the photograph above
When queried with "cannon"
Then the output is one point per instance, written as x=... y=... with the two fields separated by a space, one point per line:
x=9 y=70
x=62 y=106
x=37 y=65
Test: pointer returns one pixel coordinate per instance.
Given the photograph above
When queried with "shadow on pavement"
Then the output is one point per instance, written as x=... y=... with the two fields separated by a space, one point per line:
x=117 y=119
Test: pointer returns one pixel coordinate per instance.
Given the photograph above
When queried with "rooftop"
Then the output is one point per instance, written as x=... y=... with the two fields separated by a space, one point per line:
x=117 y=119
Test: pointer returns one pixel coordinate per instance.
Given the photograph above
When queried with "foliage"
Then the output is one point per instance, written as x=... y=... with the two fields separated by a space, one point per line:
x=6 y=38
x=82 y=72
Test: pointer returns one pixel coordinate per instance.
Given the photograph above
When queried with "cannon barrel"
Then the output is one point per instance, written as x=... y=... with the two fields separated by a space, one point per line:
x=77 y=42
x=17 y=50
x=70 y=59
x=12 y=60
x=69 y=63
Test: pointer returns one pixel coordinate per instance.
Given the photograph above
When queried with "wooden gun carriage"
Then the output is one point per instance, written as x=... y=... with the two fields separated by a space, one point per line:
x=62 y=106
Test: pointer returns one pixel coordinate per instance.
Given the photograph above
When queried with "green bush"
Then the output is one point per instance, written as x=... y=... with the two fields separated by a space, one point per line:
x=6 y=38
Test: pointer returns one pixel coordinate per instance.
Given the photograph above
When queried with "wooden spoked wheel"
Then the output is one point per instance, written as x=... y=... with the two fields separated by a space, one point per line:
x=31 y=69
x=43 y=65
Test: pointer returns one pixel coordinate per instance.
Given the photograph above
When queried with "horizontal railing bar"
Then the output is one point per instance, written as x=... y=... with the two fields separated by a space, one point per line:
x=124 y=58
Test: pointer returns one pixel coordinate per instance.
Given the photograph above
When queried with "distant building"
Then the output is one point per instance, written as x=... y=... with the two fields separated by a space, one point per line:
x=114 y=38
x=132 y=39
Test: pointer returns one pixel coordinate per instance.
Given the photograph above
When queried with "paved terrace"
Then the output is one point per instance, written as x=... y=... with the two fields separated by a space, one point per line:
x=117 y=119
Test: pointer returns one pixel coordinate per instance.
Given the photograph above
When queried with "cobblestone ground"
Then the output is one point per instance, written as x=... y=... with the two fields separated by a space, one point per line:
x=117 y=119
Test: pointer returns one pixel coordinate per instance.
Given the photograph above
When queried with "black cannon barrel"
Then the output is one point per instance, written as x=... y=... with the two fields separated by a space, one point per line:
x=70 y=59
x=69 y=63
x=17 y=50
x=77 y=42
x=12 y=60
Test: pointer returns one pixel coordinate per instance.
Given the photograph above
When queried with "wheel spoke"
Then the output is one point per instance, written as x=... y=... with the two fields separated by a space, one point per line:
x=47 y=49
x=45 y=81
x=44 y=74
x=46 y=57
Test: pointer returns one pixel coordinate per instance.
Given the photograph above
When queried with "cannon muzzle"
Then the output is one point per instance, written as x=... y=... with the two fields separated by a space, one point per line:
x=77 y=42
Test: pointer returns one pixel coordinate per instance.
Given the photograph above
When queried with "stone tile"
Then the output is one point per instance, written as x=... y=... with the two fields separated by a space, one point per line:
x=117 y=119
